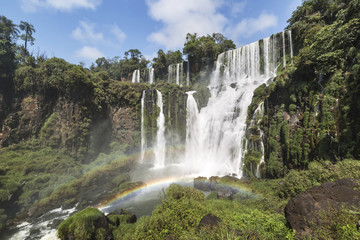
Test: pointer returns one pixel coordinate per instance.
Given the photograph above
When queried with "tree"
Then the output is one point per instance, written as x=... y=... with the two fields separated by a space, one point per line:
x=203 y=51
x=160 y=65
x=27 y=37
x=8 y=35
x=135 y=55
x=162 y=61
x=136 y=61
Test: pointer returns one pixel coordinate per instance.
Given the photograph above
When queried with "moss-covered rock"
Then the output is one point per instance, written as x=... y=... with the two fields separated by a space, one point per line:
x=89 y=224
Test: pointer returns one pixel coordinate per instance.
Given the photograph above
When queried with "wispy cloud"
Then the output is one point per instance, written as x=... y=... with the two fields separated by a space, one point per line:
x=61 y=5
x=85 y=33
x=236 y=7
x=89 y=53
x=182 y=17
x=118 y=33
x=249 y=26
x=95 y=37
x=203 y=17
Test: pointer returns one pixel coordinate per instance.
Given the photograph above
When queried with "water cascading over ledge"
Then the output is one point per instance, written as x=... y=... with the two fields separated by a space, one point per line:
x=147 y=75
x=168 y=127
x=217 y=143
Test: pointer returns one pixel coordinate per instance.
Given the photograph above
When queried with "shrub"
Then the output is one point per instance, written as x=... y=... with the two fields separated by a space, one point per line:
x=81 y=225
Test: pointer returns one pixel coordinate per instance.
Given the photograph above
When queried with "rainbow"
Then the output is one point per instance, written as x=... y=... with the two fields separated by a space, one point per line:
x=130 y=192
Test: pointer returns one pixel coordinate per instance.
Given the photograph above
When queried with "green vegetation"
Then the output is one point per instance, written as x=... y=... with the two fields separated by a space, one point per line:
x=83 y=225
x=310 y=126
x=310 y=109
x=296 y=182
x=36 y=179
x=179 y=214
x=202 y=51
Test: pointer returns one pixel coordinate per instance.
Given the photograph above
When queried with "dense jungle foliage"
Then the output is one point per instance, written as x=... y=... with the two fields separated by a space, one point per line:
x=311 y=110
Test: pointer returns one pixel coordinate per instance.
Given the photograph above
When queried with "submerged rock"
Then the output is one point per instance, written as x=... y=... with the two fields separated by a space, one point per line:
x=319 y=207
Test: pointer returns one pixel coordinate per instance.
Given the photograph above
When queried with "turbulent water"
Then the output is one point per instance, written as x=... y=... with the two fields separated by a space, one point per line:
x=216 y=137
x=43 y=228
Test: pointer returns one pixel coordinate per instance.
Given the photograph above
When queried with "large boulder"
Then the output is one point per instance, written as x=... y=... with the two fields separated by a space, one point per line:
x=209 y=221
x=318 y=208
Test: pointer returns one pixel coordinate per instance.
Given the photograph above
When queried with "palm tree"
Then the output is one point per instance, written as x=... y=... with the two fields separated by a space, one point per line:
x=27 y=37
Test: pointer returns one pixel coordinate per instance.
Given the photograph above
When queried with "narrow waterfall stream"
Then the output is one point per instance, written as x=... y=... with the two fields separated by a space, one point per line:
x=160 y=146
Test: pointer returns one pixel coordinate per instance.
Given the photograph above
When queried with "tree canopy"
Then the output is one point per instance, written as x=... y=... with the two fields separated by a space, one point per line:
x=203 y=51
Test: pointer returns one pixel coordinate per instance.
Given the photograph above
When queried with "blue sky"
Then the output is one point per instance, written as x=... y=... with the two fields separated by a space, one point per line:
x=83 y=30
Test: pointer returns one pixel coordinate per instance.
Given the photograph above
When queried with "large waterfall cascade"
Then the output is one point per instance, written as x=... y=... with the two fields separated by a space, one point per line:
x=192 y=128
x=160 y=146
x=220 y=127
x=215 y=141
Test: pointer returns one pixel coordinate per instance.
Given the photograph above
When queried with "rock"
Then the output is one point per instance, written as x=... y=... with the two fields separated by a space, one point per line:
x=315 y=207
x=132 y=219
x=202 y=183
x=85 y=225
x=209 y=221
x=214 y=180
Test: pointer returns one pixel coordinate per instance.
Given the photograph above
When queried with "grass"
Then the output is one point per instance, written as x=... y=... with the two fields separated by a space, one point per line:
x=37 y=178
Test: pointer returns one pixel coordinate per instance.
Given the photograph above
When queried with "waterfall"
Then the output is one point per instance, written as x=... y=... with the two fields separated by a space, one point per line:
x=160 y=147
x=192 y=129
x=221 y=125
x=175 y=73
x=283 y=45
x=169 y=73
x=151 y=76
x=188 y=73
x=181 y=73
x=136 y=76
x=270 y=62
x=143 y=134
x=291 y=46
x=258 y=114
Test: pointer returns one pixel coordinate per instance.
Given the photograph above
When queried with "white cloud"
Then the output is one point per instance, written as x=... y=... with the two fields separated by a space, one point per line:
x=85 y=33
x=248 y=27
x=237 y=7
x=118 y=33
x=61 y=5
x=89 y=53
x=182 y=17
x=202 y=17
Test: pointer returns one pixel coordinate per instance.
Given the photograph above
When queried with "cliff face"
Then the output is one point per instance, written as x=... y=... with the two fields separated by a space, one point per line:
x=86 y=117
x=311 y=109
